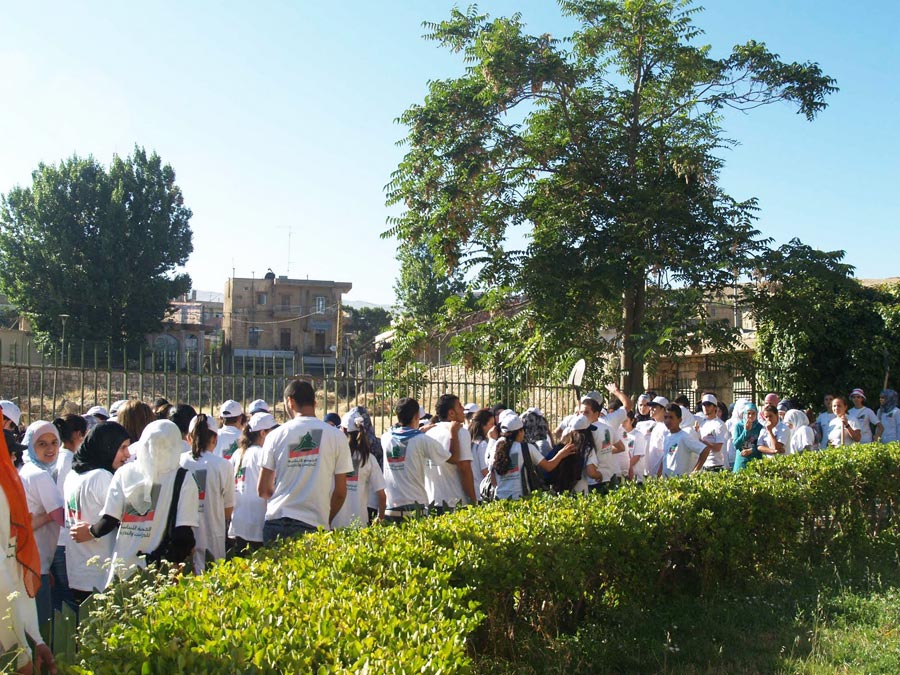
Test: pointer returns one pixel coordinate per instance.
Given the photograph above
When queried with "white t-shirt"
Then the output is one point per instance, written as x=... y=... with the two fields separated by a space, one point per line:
x=249 y=513
x=713 y=431
x=305 y=454
x=509 y=484
x=867 y=419
x=228 y=442
x=19 y=611
x=891 y=423
x=729 y=441
x=43 y=497
x=604 y=439
x=780 y=432
x=142 y=532
x=63 y=466
x=653 y=460
x=85 y=495
x=361 y=483
x=801 y=438
x=442 y=479
x=406 y=454
x=615 y=418
x=636 y=442
x=823 y=422
x=215 y=485
x=836 y=431
x=682 y=451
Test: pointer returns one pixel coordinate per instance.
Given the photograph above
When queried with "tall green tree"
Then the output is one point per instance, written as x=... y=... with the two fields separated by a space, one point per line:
x=605 y=148
x=818 y=329
x=100 y=245
x=422 y=285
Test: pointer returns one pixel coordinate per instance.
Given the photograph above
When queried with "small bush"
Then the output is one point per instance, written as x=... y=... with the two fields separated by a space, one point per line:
x=426 y=597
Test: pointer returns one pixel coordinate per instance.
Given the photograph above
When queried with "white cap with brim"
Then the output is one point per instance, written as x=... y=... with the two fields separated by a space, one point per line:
x=11 y=410
x=534 y=411
x=262 y=421
x=709 y=398
x=471 y=408
x=99 y=411
x=115 y=407
x=231 y=409
x=353 y=421
x=210 y=423
x=578 y=423
x=258 y=406
x=511 y=422
x=594 y=396
x=661 y=401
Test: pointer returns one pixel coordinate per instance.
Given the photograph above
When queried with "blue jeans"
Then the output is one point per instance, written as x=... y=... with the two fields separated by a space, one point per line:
x=61 y=592
x=44 y=603
x=285 y=528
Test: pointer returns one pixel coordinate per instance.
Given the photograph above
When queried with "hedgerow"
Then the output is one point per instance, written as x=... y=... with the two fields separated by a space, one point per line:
x=427 y=597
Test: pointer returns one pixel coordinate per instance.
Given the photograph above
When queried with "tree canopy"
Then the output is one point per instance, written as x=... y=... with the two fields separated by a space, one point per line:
x=98 y=245
x=605 y=149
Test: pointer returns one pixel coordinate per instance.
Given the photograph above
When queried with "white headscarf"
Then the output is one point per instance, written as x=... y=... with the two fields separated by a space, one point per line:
x=794 y=420
x=157 y=452
x=32 y=434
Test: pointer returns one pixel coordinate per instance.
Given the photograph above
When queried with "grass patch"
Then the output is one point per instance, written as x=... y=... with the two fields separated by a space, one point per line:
x=821 y=620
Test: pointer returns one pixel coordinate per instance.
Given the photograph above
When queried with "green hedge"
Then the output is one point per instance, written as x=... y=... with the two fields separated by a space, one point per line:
x=426 y=597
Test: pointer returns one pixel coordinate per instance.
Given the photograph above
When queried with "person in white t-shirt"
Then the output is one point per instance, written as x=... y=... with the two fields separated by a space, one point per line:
x=636 y=442
x=889 y=417
x=407 y=452
x=215 y=483
x=712 y=433
x=866 y=417
x=19 y=572
x=72 y=430
x=45 y=502
x=773 y=436
x=451 y=484
x=480 y=428
x=843 y=429
x=103 y=452
x=508 y=466
x=249 y=515
x=304 y=469
x=823 y=422
x=655 y=431
x=607 y=444
x=138 y=504
x=800 y=436
x=683 y=452
x=232 y=418
x=366 y=478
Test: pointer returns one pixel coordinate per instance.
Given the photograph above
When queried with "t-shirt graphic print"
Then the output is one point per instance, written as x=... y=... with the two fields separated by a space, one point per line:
x=306 y=452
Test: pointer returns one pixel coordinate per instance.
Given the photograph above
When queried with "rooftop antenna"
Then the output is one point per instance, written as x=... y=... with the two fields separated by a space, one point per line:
x=290 y=232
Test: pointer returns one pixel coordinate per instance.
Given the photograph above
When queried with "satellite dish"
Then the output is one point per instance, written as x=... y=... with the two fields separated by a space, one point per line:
x=577 y=373
x=333 y=348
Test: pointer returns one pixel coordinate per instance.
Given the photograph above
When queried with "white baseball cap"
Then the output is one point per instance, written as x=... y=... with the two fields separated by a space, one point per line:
x=709 y=398
x=210 y=423
x=471 y=408
x=661 y=401
x=99 y=411
x=595 y=396
x=511 y=422
x=257 y=406
x=534 y=411
x=114 y=408
x=11 y=410
x=261 y=421
x=352 y=421
x=231 y=409
x=578 y=423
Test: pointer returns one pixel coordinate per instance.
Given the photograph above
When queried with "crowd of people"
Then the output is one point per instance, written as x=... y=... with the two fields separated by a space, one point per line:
x=93 y=497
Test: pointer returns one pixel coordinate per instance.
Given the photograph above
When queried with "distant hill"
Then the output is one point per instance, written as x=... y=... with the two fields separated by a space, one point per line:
x=362 y=304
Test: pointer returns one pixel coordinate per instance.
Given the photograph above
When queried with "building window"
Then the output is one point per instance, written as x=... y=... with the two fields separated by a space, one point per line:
x=261 y=298
x=285 y=301
x=253 y=335
x=320 y=342
x=286 y=339
x=320 y=304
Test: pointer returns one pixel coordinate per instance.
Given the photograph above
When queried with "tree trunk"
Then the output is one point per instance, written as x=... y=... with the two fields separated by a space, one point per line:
x=634 y=300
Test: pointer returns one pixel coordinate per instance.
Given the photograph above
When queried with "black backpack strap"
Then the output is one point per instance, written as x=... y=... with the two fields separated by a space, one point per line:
x=527 y=487
x=173 y=507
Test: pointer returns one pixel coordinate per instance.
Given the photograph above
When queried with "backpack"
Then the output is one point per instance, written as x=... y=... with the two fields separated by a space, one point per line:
x=532 y=481
x=486 y=488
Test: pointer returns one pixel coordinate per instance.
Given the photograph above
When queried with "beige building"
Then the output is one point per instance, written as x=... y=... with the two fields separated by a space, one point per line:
x=281 y=318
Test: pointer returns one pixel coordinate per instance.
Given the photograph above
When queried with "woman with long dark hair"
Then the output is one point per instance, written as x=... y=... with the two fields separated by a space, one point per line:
x=104 y=450
x=215 y=482
x=480 y=429
x=249 y=515
x=365 y=480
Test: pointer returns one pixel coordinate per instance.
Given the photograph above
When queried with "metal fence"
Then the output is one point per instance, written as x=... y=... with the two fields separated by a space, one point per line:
x=45 y=386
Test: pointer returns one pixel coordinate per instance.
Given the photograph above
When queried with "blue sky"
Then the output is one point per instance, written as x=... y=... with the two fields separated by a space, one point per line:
x=279 y=116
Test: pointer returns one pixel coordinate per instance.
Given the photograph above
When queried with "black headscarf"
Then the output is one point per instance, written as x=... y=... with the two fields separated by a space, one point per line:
x=99 y=448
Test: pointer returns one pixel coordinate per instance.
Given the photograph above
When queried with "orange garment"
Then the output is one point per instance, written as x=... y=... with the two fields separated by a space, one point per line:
x=20 y=521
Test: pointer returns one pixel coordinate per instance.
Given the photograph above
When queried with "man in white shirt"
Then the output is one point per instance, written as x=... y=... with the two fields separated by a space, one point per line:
x=823 y=422
x=684 y=454
x=712 y=433
x=449 y=484
x=655 y=430
x=302 y=459
x=607 y=444
x=864 y=415
x=407 y=451
x=232 y=419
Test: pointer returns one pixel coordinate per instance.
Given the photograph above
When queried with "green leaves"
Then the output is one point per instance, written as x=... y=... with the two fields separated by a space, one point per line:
x=99 y=245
